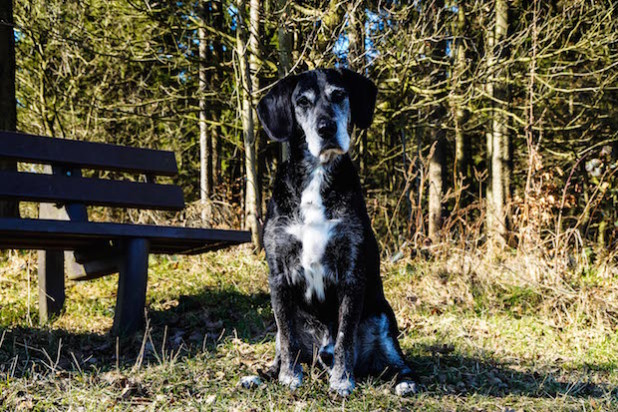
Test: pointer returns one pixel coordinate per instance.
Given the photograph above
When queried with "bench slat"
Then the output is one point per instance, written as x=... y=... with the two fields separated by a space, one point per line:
x=86 y=155
x=51 y=234
x=101 y=192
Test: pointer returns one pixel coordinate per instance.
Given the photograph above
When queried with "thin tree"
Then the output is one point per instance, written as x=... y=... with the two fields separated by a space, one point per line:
x=8 y=108
x=284 y=42
x=245 y=38
x=218 y=61
x=205 y=142
x=437 y=133
x=497 y=136
x=356 y=61
x=460 y=113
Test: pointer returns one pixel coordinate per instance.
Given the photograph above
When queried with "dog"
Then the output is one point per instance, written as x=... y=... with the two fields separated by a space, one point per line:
x=326 y=290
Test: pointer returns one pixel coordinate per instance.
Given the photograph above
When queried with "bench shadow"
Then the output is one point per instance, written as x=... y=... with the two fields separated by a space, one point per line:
x=194 y=324
x=182 y=327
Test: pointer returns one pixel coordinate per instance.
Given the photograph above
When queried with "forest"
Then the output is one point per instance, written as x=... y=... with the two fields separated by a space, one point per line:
x=496 y=122
x=493 y=153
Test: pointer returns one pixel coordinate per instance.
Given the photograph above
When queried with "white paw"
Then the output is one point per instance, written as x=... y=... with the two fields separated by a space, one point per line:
x=343 y=386
x=290 y=379
x=250 y=382
x=405 y=388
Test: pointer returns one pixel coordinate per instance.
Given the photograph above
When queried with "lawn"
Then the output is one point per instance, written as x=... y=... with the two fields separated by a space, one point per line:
x=482 y=335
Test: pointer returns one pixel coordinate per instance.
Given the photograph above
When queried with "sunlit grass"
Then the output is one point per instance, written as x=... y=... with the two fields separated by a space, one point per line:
x=480 y=339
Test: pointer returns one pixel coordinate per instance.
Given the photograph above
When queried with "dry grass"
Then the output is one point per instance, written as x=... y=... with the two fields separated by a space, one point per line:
x=499 y=334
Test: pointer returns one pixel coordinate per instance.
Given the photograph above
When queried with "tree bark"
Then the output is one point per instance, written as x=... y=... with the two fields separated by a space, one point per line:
x=331 y=19
x=498 y=137
x=356 y=62
x=255 y=70
x=284 y=40
x=205 y=142
x=8 y=108
x=252 y=212
x=436 y=163
x=460 y=114
x=355 y=36
x=436 y=171
x=218 y=77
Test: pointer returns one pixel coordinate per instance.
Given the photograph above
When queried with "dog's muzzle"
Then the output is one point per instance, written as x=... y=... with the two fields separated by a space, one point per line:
x=330 y=147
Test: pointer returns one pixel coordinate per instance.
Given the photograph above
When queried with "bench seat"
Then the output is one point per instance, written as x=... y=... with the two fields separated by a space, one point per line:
x=37 y=234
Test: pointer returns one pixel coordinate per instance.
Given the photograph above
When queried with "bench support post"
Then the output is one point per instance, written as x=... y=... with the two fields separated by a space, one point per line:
x=51 y=284
x=131 y=298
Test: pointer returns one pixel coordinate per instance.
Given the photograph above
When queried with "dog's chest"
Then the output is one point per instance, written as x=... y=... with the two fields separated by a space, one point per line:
x=313 y=230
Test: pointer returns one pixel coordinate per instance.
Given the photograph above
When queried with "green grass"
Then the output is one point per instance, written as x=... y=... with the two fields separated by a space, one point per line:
x=478 y=339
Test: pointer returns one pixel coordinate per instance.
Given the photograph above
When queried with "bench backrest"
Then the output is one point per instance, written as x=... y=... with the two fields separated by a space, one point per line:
x=67 y=186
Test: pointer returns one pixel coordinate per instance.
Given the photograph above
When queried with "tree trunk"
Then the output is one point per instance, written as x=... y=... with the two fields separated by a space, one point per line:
x=460 y=114
x=284 y=38
x=436 y=171
x=217 y=60
x=436 y=163
x=8 y=108
x=205 y=142
x=252 y=213
x=498 y=138
x=331 y=20
x=355 y=36
x=255 y=68
x=356 y=62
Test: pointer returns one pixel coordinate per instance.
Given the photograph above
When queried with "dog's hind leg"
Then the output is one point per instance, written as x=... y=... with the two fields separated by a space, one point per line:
x=394 y=358
x=379 y=353
x=404 y=384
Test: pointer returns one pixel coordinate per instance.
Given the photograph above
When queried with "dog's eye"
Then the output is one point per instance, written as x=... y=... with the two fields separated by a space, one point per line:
x=337 y=96
x=303 y=101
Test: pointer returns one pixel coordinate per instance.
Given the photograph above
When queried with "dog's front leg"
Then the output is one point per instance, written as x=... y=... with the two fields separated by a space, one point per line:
x=288 y=345
x=342 y=374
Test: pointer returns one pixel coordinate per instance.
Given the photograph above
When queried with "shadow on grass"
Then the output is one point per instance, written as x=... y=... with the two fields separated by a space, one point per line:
x=200 y=323
x=463 y=375
x=183 y=327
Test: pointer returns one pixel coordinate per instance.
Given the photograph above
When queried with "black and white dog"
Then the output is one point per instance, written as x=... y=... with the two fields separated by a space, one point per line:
x=325 y=284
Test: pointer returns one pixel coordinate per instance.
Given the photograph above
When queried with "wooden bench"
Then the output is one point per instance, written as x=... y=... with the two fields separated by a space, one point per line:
x=96 y=248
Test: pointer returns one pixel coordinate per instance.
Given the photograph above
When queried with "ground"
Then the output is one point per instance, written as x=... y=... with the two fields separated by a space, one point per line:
x=479 y=341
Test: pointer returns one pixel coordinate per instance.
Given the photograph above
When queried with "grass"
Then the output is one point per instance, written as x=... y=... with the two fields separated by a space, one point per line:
x=483 y=335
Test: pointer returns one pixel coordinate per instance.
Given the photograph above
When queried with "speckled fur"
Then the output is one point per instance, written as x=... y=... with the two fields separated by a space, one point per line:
x=326 y=291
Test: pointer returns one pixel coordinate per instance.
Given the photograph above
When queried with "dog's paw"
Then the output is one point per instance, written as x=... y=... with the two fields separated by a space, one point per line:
x=291 y=379
x=250 y=382
x=405 y=388
x=342 y=386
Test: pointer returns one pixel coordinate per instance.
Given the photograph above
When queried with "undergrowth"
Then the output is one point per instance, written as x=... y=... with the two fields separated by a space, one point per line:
x=502 y=333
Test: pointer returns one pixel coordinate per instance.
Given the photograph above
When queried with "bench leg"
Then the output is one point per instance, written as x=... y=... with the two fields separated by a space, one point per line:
x=51 y=284
x=131 y=298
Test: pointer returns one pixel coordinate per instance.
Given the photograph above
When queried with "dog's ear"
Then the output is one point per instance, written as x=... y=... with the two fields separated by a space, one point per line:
x=362 y=93
x=275 y=109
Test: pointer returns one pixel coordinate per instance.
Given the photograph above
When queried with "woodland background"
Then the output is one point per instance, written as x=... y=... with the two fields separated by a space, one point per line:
x=496 y=122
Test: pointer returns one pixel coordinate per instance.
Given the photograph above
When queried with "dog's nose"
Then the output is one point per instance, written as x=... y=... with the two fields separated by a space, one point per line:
x=327 y=128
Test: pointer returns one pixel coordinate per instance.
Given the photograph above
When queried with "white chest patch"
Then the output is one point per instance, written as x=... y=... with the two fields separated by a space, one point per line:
x=313 y=231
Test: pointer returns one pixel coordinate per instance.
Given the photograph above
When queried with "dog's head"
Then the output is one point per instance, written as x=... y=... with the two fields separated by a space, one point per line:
x=316 y=108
